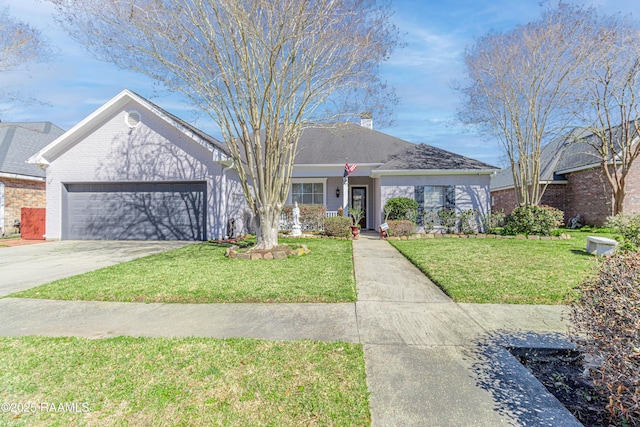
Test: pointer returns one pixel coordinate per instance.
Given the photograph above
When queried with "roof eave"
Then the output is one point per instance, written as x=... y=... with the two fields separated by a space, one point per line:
x=430 y=172
x=553 y=182
x=333 y=165
x=57 y=146
x=580 y=168
x=20 y=176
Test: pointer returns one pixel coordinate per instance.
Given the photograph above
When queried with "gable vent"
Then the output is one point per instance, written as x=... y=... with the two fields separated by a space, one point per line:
x=132 y=119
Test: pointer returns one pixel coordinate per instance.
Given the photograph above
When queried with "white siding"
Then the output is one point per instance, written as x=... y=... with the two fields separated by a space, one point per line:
x=472 y=191
x=152 y=151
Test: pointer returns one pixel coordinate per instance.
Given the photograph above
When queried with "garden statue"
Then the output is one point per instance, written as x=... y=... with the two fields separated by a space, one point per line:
x=575 y=222
x=296 y=230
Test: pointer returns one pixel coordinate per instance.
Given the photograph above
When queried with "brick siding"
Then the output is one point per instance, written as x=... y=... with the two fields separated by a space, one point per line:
x=505 y=200
x=589 y=195
x=20 y=194
x=632 y=198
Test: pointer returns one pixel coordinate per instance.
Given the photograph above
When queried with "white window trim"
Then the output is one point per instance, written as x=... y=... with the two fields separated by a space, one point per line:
x=310 y=181
x=444 y=197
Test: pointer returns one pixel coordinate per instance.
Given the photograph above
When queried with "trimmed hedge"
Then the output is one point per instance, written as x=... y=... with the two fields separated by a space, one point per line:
x=398 y=228
x=311 y=216
x=400 y=208
x=338 y=226
x=537 y=220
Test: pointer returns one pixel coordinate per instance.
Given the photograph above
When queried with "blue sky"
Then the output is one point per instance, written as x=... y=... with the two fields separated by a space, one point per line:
x=72 y=84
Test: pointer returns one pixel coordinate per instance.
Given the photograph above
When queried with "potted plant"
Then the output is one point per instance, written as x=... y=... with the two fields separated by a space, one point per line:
x=357 y=213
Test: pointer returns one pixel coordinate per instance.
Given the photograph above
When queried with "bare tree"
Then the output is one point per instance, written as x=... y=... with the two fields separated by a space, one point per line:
x=19 y=45
x=610 y=102
x=260 y=68
x=519 y=87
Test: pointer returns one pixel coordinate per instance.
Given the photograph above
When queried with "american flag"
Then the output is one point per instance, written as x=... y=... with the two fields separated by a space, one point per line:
x=348 y=169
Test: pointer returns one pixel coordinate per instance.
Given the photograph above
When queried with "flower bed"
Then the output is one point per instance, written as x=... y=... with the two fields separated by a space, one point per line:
x=278 y=252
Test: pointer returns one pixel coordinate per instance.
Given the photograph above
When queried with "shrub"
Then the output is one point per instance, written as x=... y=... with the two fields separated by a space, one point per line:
x=538 y=220
x=311 y=216
x=430 y=221
x=629 y=228
x=400 y=208
x=448 y=219
x=338 y=226
x=400 y=227
x=605 y=322
x=468 y=221
x=493 y=221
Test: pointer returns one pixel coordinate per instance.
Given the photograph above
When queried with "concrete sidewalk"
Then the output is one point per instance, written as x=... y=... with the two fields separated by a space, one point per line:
x=429 y=361
x=424 y=366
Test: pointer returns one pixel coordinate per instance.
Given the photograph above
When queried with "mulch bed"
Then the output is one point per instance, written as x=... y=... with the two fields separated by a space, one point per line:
x=561 y=372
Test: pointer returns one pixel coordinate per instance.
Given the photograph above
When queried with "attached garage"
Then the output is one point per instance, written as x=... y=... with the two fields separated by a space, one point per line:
x=133 y=171
x=134 y=211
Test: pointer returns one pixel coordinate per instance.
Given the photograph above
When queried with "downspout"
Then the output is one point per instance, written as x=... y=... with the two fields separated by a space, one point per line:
x=223 y=202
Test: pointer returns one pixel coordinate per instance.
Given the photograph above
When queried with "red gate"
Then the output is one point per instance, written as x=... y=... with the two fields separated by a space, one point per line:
x=32 y=223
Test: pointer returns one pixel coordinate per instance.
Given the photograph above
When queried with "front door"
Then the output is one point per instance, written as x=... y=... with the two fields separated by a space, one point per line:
x=359 y=199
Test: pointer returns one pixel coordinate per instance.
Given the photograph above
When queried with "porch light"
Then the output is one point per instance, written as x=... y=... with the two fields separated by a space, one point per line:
x=338 y=192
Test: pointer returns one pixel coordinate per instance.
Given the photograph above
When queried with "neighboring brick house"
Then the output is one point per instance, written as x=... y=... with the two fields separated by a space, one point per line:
x=22 y=185
x=576 y=184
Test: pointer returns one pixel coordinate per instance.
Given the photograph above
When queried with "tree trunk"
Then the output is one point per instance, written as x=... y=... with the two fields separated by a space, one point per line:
x=618 y=201
x=267 y=232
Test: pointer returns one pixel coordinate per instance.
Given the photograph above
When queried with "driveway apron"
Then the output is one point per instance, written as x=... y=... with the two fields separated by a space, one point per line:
x=24 y=267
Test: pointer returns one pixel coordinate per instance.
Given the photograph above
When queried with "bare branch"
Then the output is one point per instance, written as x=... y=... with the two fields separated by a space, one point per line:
x=260 y=68
x=520 y=86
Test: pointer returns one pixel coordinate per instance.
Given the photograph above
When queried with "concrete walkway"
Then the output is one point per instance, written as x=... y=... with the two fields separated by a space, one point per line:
x=429 y=361
x=423 y=365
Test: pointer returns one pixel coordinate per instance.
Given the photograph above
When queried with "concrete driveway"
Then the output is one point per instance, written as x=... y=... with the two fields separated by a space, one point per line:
x=23 y=267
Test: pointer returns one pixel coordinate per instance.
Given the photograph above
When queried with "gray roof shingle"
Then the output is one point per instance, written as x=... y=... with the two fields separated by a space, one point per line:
x=567 y=152
x=332 y=144
x=425 y=157
x=19 y=141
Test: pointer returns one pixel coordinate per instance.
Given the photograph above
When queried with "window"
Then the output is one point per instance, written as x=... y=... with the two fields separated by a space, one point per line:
x=306 y=193
x=434 y=198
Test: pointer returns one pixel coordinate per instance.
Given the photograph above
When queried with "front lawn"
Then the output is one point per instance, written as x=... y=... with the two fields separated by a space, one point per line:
x=202 y=274
x=195 y=381
x=503 y=271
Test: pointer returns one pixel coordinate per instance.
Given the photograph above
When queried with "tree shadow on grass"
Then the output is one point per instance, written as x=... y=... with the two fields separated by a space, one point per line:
x=516 y=392
x=581 y=253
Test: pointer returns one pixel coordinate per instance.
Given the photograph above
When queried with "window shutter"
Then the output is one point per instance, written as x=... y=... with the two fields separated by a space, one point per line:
x=450 y=197
x=419 y=197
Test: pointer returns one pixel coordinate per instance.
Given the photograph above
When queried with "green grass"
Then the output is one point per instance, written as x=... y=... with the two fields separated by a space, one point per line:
x=202 y=274
x=195 y=381
x=503 y=271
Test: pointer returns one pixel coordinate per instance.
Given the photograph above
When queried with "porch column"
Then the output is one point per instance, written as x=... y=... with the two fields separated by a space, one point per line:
x=345 y=195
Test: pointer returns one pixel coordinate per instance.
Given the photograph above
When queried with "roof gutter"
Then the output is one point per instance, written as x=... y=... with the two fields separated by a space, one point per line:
x=553 y=182
x=430 y=172
x=335 y=165
x=23 y=177
x=581 y=168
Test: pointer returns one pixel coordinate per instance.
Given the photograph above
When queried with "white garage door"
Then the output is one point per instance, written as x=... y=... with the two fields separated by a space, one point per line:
x=135 y=211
